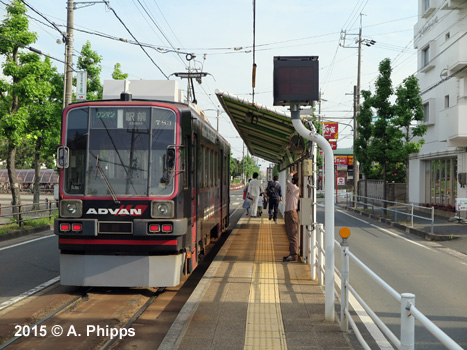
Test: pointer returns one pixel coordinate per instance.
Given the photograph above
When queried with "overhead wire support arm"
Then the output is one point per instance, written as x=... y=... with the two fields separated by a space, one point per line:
x=79 y=5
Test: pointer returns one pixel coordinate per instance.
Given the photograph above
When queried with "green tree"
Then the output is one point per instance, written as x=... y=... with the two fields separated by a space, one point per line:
x=117 y=74
x=89 y=61
x=44 y=119
x=386 y=143
x=364 y=132
x=235 y=167
x=20 y=84
x=409 y=114
x=250 y=166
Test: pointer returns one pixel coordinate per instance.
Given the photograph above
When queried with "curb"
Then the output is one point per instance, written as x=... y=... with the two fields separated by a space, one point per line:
x=21 y=233
x=421 y=233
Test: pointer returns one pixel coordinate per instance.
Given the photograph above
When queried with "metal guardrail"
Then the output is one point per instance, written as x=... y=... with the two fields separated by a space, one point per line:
x=18 y=214
x=396 y=210
x=409 y=313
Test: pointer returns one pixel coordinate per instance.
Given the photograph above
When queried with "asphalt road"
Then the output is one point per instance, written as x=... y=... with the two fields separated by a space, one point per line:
x=431 y=271
x=27 y=265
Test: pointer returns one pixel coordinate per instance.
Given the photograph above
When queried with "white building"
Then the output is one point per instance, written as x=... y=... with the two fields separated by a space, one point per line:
x=440 y=37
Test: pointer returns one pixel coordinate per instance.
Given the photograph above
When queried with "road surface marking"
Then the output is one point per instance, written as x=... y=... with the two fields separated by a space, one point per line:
x=32 y=240
x=29 y=293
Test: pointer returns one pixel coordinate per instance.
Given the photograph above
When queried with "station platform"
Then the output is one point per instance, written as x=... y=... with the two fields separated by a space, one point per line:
x=250 y=299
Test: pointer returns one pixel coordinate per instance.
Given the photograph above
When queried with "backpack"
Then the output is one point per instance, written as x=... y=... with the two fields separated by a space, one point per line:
x=270 y=190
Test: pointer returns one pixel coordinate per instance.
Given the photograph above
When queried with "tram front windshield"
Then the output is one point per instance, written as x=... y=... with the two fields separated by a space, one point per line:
x=120 y=150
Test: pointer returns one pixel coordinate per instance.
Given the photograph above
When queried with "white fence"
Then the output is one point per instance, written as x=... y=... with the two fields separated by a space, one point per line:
x=409 y=313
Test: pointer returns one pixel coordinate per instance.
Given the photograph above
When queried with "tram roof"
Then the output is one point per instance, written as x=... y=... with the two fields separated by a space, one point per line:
x=266 y=131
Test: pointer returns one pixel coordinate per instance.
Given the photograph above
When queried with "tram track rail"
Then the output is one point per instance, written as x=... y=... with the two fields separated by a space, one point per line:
x=105 y=309
x=67 y=305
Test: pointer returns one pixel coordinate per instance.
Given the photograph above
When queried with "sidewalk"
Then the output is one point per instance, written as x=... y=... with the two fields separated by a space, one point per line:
x=250 y=299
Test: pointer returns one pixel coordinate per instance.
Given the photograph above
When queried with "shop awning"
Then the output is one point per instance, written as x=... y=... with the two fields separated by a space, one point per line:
x=267 y=132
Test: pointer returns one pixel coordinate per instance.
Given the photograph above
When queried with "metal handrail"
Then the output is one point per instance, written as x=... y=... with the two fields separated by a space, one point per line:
x=20 y=214
x=407 y=301
x=410 y=206
x=433 y=329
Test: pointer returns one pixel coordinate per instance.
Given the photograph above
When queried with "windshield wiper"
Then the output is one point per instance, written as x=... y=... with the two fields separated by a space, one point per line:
x=106 y=180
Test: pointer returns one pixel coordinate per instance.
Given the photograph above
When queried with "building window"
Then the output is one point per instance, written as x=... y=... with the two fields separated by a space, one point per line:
x=446 y=101
x=426 y=112
x=425 y=56
x=447 y=36
x=426 y=5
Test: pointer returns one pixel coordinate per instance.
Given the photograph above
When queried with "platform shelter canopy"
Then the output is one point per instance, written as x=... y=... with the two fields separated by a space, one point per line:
x=267 y=132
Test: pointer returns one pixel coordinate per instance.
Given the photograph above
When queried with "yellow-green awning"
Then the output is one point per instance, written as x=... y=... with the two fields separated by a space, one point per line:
x=267 y=132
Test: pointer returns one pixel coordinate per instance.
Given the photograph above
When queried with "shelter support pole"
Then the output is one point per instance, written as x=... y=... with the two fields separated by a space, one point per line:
x=312 y=135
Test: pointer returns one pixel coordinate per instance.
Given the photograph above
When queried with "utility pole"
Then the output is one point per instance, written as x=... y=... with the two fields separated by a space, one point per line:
x=69 y=53
x=356 y=173
x=356 y=170
x=367 y=42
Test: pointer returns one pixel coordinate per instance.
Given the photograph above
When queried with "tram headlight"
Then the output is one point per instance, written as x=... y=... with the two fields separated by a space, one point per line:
x=71 y=208
x=162 y=209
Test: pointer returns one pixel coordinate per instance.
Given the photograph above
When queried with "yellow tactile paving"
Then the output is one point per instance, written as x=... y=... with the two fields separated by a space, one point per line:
x=264 y=327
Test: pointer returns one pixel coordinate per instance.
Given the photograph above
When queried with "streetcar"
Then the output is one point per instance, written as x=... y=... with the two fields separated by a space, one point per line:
x=144 y=187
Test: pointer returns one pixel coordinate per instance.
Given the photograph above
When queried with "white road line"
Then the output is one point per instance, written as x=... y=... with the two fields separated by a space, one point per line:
x=402 y=237
x=367 y=321
x=32 y=240
x=389 y=232
x=341 y=211
x=29 y=293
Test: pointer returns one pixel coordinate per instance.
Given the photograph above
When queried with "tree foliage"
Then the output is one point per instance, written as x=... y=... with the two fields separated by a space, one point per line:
x=364 y=132
x=117 y=74
x=250 y=166
x=383 y=147
x=20 y=86
x=89 y=61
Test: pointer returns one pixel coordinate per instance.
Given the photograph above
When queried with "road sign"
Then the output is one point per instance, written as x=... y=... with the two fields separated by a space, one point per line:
x=461 y=204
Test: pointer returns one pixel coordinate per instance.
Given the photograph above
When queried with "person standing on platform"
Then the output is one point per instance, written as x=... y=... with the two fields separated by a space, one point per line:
x=274 y=193
x=246 y=201
x=291 y=215
x=254 y=189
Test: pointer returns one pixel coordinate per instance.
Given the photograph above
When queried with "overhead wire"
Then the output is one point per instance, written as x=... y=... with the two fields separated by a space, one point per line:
x=134 y=38
x=160 y=30
x=168 y=24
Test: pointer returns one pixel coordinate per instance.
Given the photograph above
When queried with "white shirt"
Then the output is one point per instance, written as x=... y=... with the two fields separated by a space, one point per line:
x=255 y=188
x=291 y=198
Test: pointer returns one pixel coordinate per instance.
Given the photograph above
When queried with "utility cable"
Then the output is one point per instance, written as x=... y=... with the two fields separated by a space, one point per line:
x=30 y=48
x=160 y=30
x=44 y=17
x=128 y=30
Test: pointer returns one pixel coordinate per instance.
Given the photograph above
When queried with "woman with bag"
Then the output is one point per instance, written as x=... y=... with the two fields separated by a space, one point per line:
x=246 y=201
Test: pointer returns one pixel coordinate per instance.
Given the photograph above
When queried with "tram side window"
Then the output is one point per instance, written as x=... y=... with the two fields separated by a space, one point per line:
x=203 y=167
x=76 y=141
x=210 y=168
x=226 y=170
x=184 y=157
x=216 y=169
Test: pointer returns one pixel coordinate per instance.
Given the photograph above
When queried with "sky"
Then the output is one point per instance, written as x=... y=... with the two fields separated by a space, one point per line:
x=219 y=34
